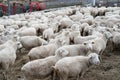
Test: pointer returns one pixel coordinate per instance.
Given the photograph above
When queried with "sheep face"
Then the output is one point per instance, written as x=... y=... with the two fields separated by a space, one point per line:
x=62 y=52
x=94 y=58
x=19 y=45
x=108 y=35
x=89 y=45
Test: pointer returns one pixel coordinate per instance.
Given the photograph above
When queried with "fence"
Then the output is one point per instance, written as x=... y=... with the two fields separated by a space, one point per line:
x=63 y=3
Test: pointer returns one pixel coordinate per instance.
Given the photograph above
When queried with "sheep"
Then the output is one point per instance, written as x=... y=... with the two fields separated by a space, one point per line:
x=19 y=23
x=2 y=28
x=82 y=39
x=87 y=19
x=115 y=38
x=64 y=38
x=48 y=34
x=27 y=32
x=77 y=17
x=41 y=68
x=29 y=42
x=86 y=30
x=75 y=27
x=13 y=26
x=74 y=34
x=75 y=49
x=4 y=36
x=44 y=50
x=94 y=12
x=82 y=27
x=54 y=25
x=8 y=22
x=101 y=11
x=3 y=39
x=74 y=66
x=65 y=22
x=8 y=54
x=98 y=44
x=40 y=28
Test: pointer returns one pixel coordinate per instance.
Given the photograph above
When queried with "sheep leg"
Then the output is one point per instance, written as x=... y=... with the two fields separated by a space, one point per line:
x=27 y=78
x=4 y=75
x=112 y=46
x=82 y=74
x=101 y=55
x=63 y=77
x=5 y=65
x=54 y=75
x=78 y=77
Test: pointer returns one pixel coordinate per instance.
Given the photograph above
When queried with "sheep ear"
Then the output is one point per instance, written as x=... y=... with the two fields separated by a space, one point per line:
x=107 y=29
x=84 y=43
x=59 y=40
x=114 y=29
x=67 y=33
x=90 y=58
x=61 y=51
x=53 y=67
x=65 y=53
x=93 y=42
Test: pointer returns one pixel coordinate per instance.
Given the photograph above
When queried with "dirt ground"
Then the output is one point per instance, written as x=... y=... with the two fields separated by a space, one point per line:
x=109 y=69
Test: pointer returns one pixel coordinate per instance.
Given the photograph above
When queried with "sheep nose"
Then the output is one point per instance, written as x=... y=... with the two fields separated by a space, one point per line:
x=98 y=63
x=89 y=47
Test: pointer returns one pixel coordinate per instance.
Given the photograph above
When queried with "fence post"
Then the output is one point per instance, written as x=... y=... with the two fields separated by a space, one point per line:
x=8 y=2
x=93 y=2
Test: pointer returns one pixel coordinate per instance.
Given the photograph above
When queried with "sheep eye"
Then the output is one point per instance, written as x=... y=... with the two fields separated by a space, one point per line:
x=92 y=42
x=113 y=29
x=85 y=43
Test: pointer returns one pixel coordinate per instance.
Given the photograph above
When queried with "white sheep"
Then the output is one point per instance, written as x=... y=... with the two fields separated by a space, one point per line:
x=27 y=32
x=94 y=12
x=41 y=68
x=2 y=28
x=8 y=54
x=75 y=49
x=29 y=42
x=87 y=19
x=40 y=27
x=48 y=34
x=115 y=38
x=82 y=39
x=65 y=22
x=64 y=37
x=82 y=26
x=74 y=34
x=75 y=27
x=97 y=45
x=44 y=50
x=87 y=30
x=74 y=66
x=77 y=17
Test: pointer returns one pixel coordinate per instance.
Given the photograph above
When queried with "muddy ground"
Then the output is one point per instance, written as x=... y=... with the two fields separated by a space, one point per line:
x=109 y=69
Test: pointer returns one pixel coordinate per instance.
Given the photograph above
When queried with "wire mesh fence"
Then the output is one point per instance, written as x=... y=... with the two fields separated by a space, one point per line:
x=62 y=3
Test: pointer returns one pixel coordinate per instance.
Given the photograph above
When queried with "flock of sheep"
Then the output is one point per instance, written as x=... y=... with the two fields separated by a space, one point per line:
x=62 y=43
